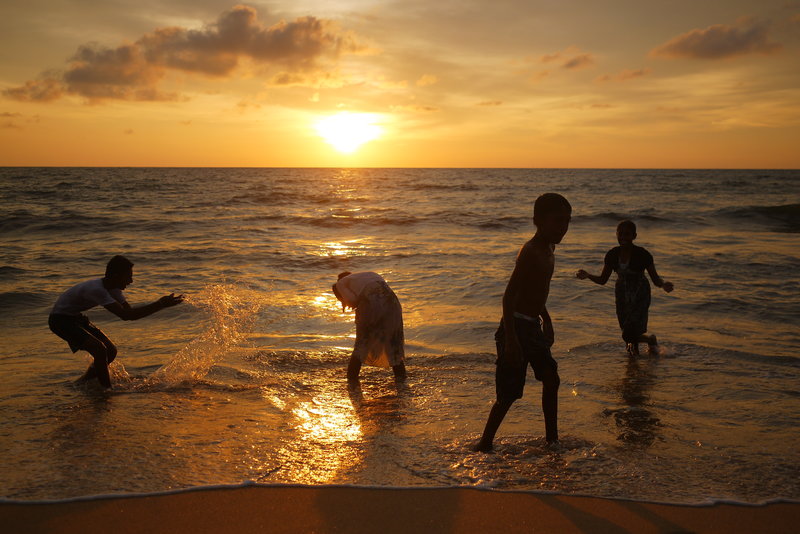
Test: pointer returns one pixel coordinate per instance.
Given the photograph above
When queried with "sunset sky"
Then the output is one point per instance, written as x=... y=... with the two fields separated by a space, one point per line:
x=492 y=83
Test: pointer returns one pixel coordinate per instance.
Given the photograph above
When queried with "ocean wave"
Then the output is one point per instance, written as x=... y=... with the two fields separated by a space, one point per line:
x=782 y=217
x=699 y=502
x=616 y=216
x=7 y=272
x=693 y=353
x=338 y=221
x=25 y=221
x=502 y=223
x=14 y=300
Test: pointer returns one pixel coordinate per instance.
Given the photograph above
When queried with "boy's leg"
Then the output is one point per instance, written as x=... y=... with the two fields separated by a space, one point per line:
x=550 y=384
x=99 y=352
x=496 y=416
x=509 y=384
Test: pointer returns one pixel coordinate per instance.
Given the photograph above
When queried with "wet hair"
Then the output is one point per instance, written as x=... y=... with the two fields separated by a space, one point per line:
x=118 y=265
x=627 y=223
x=550 y=203
x=343 y=274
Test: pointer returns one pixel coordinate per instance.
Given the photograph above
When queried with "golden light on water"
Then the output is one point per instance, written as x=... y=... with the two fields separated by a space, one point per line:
x=352 y=247
x=347 y=131
x=327 y=427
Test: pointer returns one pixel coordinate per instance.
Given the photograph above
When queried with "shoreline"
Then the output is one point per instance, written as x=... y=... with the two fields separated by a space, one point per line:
x=257 y=508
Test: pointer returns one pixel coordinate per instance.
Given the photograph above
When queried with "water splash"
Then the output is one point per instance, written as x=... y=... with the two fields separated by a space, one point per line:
x=230 y=312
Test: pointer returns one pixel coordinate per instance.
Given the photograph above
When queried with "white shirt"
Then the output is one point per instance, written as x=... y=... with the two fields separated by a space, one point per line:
x=351 y=286
x=86 y=295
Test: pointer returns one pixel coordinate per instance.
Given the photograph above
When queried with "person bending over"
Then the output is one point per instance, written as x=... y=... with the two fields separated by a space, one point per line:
x=379 y=323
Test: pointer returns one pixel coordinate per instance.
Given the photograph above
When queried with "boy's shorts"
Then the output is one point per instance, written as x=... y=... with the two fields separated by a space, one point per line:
x=510 y=381
x=74 y=329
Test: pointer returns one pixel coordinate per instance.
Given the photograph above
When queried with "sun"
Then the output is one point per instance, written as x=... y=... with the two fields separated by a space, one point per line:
x=346 y=131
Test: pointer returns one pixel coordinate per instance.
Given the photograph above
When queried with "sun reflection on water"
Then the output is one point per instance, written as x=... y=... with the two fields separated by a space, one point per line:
x=352 y=247
x=329 y=434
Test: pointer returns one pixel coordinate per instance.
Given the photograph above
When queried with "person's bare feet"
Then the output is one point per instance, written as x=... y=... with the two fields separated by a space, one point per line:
x=633 y=349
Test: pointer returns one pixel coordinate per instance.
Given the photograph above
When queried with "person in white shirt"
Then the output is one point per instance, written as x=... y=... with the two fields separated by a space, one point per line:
x=379 y=323
x=68 y=322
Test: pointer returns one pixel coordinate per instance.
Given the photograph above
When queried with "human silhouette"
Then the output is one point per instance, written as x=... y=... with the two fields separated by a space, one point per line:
x=68 y=322
x=632 y=290
x=526 y=333
x=379 y=323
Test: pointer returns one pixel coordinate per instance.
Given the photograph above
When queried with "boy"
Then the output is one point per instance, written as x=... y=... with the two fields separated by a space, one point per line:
x=522 y=338
x=67 y=322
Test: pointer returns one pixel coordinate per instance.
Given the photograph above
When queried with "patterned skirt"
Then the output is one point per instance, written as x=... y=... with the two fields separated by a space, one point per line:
x=633 y=302
x=379 y=327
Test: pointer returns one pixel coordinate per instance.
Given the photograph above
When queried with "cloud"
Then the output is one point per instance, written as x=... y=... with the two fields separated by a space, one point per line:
x=427 y=79
x=414 y=108
x=622 y=76
x=44 y=89
x=300 y=49
x=579 y=62
x=490 y=103
x=9 y=120
x=720 y=41
x=539 y=76
x=571 y=58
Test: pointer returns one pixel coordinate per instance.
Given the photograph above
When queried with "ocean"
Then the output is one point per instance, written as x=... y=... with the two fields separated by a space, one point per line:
x=245 y=381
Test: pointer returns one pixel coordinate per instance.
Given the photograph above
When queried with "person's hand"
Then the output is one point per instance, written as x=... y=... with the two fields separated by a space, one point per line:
x=668 y=287
x=581 y=274
x=170 y=300
x=549 y=334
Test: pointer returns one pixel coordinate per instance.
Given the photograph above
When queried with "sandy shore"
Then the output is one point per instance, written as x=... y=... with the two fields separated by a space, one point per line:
x=353 y=510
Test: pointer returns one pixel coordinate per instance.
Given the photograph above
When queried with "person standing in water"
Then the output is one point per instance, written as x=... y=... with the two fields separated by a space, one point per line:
x=632 y=291
x=68 y=322
x=526 y=333
x=379 y=323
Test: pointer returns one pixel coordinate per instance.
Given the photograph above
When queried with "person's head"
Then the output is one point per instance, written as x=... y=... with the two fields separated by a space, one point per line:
x=335 y=290
x=551 y=215
x=626 y=232
x=119 y=272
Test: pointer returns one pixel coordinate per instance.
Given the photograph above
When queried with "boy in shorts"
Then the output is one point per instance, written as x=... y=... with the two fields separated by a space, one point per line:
x=68 y=322
x=526 y=330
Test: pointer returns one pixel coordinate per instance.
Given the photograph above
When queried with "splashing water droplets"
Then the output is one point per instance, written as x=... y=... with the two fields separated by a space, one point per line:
x=231 y=311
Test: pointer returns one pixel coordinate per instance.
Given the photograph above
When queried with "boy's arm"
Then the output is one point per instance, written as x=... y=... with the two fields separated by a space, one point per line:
x=513 y=352
x=127 y=313
x=547 y=327
x=514 y=289
x=657 y=280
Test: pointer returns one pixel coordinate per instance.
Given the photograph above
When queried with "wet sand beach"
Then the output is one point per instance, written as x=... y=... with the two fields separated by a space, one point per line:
x=356 y=509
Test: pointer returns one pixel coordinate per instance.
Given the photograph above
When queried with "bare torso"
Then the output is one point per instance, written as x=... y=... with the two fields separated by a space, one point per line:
x=536 y=263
